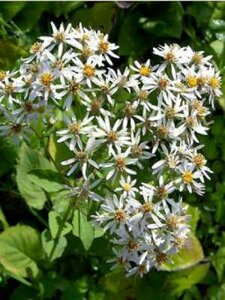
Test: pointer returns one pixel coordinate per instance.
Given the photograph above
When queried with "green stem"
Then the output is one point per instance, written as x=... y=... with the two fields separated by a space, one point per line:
x=60 y=229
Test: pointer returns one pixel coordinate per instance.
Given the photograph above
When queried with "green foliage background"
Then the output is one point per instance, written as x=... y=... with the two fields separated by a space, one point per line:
x=82 y=272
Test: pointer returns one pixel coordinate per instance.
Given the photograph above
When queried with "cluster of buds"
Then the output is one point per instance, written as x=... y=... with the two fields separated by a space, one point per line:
x=132 y=135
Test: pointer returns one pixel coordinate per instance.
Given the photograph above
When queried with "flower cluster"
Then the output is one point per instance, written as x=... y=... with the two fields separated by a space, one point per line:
x=133 y=135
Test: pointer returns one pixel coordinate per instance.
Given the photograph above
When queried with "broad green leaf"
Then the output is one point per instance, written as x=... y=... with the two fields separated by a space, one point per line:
x=53 y=248
x=47 y=179
x=201 y=13
x=30 y=159
x=169 y=23
x=132 y=38
x=58 y=151
x=83 y=229
x=178 y=282
x=190 y=255
x=8 y=153
x=20 y=249
x=194 y=212
x=3 y=222
x=57 y=226
x=218 y=261
x=9 y=9
x=99 y=16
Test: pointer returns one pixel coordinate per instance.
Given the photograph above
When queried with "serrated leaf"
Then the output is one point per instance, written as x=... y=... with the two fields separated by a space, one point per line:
x=83 y=229
x=53 y=248
x=57 y=225
x=47 y=179
x=30 y=159
x=190 y=255
x=20 y=249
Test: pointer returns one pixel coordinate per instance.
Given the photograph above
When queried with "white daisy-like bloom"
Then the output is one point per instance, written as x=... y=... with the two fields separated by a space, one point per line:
x=143 y=69
x=82 y=158
x=172 y=54
x=119 y=164
x=188 y=178
x=115 y=213
x=115 y=136
x=107 y=86
x=60 y=37
x=161 y=191
x=114 y=122
x=85 y=191
x=161 y=83
x=104 y=47
x=86 y=71
x=127 y=186
x=75 y=129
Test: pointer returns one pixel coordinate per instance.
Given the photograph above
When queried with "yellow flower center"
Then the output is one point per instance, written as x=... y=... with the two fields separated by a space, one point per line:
x=74 y=128
x=112 y=137
x=187 y=177
x=127 y=187
x=103 y=46
x=88 y=70
x=73 y=87
x=120 y=163
x=143 y=95
x=169 y=56
x=163 y=83
x=146 y=207
x=214 y=82
x=120 y=215
x=172 y=222
x=35 y=48
x=9 y=88
x=46 y=78
x=170 y=112
x=192 y=81
x=59 y=37
x=145 y=71
x=197 y=58
x=161 y=258
x=132 y=245
x=199 y=160
x=95 y=106
x=190 y=122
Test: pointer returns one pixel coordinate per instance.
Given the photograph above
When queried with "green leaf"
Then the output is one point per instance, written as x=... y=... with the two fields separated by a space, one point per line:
x=169 y=23
x=190 y=255
x=3 y=222
x=178 y=282
x=30 y=159
x=218 y=262
x=99 y=16
x=56 y=223
x=132 y=39
x=9 y=10
x=194 y=212
x=83 y=229
x=8 y=153
x=201 y=13
x=53 y=248
x=47 y=179
x=20 y=249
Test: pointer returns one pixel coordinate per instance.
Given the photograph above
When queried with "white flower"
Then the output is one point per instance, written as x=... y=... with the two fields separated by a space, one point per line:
x=127 y=187
x=120 y=164
x=82 y=158
x=115 y=136
x=75 y=129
